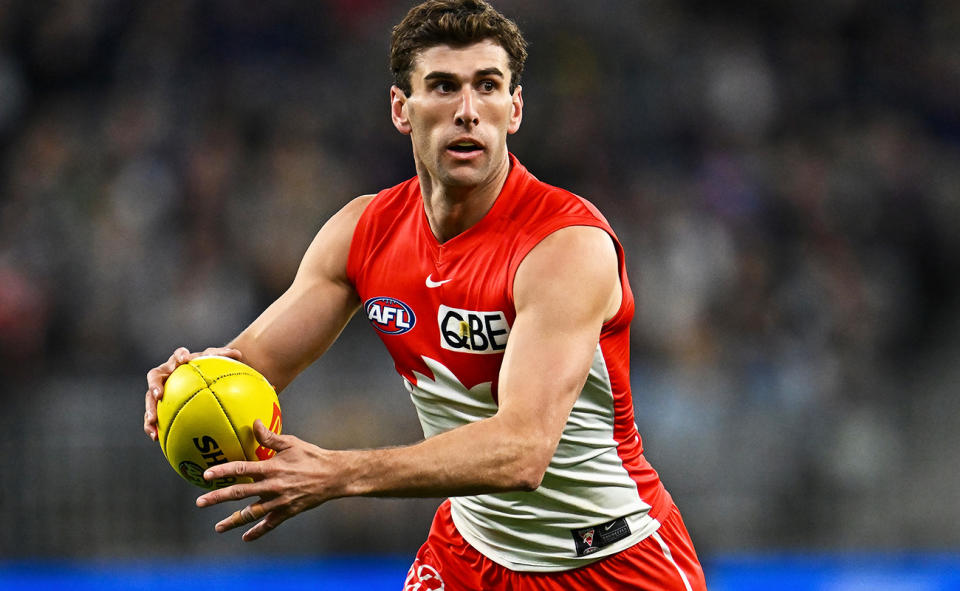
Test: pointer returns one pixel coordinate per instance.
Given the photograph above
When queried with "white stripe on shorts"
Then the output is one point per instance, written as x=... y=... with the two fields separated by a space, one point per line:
x=669 y=555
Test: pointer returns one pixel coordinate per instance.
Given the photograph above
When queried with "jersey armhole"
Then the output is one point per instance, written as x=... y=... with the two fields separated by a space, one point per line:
x=531 y=241
x=354 y=260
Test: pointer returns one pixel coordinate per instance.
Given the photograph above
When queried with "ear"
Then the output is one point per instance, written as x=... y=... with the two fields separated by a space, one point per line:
x=398 y=110
x=516 y=116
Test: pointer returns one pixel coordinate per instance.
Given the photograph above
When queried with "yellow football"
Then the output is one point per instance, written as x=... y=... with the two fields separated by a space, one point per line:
x=207 y=413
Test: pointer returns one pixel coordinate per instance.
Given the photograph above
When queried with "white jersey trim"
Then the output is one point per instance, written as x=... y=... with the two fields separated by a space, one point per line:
x=669 y=556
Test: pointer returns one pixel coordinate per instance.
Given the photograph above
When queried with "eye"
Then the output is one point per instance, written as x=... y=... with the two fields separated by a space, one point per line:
x=488 y=85
x=444 y=86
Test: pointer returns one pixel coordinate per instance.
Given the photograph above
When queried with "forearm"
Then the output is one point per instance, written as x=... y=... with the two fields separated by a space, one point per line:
x=483 y=457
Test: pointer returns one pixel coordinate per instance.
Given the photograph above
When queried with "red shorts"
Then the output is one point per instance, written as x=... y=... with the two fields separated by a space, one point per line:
x=663 y=561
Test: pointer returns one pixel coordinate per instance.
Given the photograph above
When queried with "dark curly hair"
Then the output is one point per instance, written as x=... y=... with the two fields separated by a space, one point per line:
x=457 y=23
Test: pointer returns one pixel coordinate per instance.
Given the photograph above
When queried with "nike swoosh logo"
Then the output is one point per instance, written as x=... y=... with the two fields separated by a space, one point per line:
x=608 y=526
x=431 y=283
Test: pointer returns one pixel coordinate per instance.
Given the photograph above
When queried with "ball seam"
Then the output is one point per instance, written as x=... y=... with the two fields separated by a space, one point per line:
x=223 y=409
x=176 y=413
x=173 y=419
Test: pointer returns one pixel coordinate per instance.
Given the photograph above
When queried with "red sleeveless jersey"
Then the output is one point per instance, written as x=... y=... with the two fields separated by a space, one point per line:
x=444 y=312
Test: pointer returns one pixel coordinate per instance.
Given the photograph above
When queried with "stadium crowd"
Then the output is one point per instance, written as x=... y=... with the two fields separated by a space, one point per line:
x=785 y=177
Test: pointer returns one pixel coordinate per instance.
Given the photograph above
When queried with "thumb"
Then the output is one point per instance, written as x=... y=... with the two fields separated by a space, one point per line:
x=268 y=438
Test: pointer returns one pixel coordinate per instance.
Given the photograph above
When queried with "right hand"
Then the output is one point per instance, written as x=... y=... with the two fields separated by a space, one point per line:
x=158 y=375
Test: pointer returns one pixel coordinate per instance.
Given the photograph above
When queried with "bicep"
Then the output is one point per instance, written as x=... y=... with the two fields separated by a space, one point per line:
x=564 y=290
x=303 y=322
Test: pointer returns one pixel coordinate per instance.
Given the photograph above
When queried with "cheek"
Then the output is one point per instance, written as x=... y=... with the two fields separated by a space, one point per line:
x=424 y=124
x=425 y=141
x=500 y=112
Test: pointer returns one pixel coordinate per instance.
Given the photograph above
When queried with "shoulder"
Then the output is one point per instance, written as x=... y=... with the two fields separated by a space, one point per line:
x=575 y=270
x=584 y=248
x=367 y=206
x=562 y=239
x=382 y=209
x=395 y=196
x=538 y=210
x=355 y=208
x=328 y=252
x=343 y=223
x=535 y=199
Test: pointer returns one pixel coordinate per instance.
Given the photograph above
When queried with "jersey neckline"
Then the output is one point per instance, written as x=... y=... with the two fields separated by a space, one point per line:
x=516 y=172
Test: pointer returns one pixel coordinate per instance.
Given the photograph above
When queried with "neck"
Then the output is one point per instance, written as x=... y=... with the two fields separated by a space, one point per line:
x=453 y=209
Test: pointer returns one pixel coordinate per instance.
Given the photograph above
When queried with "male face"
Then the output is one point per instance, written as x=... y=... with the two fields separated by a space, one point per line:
x=459 y=112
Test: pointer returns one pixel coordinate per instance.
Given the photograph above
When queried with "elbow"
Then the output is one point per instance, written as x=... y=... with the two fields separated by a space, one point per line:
x=531 y=466
x=528 y=480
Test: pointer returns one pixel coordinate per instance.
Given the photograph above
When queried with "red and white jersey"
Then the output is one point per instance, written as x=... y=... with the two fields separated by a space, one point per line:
x=444 y=311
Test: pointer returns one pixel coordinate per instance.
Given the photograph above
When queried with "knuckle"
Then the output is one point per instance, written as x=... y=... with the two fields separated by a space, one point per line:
x=276 y=517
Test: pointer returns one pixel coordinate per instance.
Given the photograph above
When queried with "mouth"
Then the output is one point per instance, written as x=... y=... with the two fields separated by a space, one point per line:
x=465 y=147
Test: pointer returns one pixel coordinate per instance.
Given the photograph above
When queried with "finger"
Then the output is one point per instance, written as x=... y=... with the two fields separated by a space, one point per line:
x=240 y=469
x=224 y=352
x=155 y=379
x=267 y=525
x=158 y=375
x=269 y=439
x=236 y=491
x=244 y=516
x=150 y=416
x=180 y=356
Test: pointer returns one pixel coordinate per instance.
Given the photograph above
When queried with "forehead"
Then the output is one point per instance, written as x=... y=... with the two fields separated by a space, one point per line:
x=463 y=60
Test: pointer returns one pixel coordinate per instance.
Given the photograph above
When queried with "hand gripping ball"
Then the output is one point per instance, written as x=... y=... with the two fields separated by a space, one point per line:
x=207 y=413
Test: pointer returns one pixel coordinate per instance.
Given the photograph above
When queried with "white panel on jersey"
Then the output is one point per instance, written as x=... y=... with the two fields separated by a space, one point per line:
x=443 y=402
x=584 y=485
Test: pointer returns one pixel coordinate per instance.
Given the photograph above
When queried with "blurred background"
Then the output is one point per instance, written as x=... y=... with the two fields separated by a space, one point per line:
x=785 y=177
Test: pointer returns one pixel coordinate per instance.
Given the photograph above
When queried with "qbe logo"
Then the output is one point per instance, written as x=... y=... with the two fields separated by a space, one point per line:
x=469 y=331
x=389 y=315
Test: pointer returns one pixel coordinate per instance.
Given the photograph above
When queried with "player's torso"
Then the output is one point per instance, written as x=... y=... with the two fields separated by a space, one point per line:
x=444 y=311
x=448 y=303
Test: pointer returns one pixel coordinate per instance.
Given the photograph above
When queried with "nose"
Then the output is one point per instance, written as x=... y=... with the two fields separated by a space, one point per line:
x=467 y=111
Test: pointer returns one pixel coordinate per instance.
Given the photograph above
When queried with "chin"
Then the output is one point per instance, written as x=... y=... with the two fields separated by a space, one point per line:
x=463 y=178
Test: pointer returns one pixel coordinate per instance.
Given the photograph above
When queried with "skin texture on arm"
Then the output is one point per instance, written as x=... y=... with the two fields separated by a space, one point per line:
x=298 y=327
x=564 y=290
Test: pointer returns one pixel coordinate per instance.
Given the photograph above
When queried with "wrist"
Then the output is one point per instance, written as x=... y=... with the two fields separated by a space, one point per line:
x=352 y=469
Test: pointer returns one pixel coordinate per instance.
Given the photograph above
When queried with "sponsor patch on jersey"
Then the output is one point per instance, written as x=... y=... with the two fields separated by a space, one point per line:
x=389 y=315
x=590 y=539
x=470 y=331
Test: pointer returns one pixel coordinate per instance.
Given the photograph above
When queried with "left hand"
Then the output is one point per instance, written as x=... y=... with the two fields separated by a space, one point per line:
x=299 y=477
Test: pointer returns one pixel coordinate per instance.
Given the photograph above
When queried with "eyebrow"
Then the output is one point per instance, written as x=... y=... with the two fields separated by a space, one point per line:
x=490 y=72
x=437 y=75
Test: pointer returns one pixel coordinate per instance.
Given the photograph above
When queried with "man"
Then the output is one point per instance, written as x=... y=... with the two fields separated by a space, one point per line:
x=506 y=307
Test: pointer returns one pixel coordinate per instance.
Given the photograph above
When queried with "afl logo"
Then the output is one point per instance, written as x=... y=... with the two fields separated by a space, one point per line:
x=389 y=315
